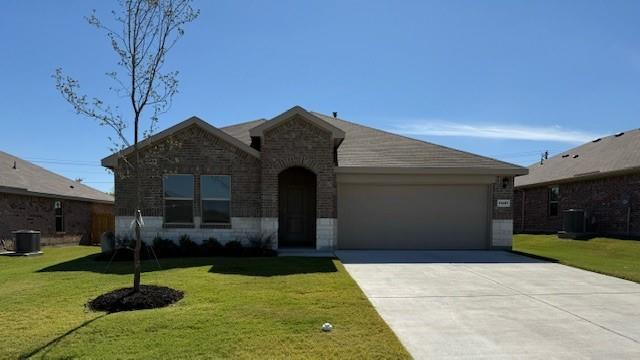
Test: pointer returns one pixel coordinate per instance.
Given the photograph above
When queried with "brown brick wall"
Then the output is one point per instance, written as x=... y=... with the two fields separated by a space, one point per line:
x=22 y=212
x=297 y=142
x=503 y=193
x=607 y=200
x=197 y=152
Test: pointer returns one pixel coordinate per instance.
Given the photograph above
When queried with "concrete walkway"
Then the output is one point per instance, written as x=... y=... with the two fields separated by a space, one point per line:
x=498 y=305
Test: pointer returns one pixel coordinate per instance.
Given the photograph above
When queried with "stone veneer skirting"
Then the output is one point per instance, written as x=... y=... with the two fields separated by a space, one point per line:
x=326 y=234
x=242 y=229
x=501 y=233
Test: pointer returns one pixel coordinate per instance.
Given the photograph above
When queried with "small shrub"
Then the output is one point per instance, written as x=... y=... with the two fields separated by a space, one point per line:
x=165 y=247
x=188 y=247
x=125 y=242
x=267 y=243
x=255 y=242
x=260 y=245
x=233 y=248
x=211 y=247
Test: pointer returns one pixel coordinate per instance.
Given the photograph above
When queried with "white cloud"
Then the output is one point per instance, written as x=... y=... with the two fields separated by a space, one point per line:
x=509 y=132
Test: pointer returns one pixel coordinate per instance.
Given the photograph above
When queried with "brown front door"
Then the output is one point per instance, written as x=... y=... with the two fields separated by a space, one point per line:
x=297 y=208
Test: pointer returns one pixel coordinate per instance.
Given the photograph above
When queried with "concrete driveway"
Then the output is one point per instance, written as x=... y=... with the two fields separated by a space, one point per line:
x=498 y=305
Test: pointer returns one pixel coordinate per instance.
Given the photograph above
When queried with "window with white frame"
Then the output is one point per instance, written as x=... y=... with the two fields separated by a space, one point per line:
x=178 y=199
x=59 y=214
x=215 y=193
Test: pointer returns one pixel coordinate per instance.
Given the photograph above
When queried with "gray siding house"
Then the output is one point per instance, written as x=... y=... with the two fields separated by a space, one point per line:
x=315 y=181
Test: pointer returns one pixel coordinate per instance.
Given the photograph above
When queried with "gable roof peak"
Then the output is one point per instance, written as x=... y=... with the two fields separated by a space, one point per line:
x=259 y=130
x=111 y=161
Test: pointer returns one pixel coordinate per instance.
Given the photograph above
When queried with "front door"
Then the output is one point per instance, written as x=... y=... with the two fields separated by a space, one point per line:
x=297 y=208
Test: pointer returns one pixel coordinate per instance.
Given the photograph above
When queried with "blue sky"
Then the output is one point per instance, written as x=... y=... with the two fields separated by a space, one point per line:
x=507 y=79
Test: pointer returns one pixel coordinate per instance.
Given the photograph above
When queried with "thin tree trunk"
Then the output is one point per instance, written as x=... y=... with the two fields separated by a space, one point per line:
x=136 y=252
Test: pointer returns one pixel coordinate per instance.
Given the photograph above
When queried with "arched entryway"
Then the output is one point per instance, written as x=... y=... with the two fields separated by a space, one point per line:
x=297 y=208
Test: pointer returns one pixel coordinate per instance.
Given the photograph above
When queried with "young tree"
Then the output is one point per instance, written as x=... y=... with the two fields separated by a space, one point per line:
x=145 y=32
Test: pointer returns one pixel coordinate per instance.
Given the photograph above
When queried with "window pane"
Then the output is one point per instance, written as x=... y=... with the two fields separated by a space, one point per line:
x=180 y=186
x=215 y=187
x=215 y=211
x=59 y=224
x=178 y=211
x=554 y=193
x=553 y=209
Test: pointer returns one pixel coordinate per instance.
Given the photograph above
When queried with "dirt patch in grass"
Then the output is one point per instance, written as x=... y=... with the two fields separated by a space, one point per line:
x=125 y=299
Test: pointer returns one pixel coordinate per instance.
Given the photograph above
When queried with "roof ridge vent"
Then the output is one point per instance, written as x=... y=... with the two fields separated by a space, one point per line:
x=619 y=134
x=596 y=140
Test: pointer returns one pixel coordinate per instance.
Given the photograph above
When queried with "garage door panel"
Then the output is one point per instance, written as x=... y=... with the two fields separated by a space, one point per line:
x=412 y=216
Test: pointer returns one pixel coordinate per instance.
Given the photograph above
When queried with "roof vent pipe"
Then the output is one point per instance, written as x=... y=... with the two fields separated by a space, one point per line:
x=335 y=114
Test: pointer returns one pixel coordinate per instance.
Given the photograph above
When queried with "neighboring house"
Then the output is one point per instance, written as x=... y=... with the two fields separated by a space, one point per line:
x=63 y=210
x=601 y=177
x=314 y=181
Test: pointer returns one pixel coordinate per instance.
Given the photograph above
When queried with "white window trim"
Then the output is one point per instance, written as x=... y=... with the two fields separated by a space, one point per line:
x=203 y=199
x=164 y=200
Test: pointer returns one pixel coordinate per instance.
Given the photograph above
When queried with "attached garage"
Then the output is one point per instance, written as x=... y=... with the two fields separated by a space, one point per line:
x=413 y=212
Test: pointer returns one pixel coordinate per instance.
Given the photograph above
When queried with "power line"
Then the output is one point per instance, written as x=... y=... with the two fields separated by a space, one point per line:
x=66 y=160
x=64 y=163
x=522 y=153
x=106 y=172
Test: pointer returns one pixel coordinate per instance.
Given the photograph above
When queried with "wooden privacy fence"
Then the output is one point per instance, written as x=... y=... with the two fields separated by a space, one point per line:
x=101 y=223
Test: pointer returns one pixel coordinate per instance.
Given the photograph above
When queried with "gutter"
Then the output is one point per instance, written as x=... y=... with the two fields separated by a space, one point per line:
x=581 y=177
x=429 y=170
x=21 y=191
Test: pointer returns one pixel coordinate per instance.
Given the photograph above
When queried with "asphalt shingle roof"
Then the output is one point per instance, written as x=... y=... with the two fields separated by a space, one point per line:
x=28 y=177
x=610 y=154
x=241 y=131
x=367 y=147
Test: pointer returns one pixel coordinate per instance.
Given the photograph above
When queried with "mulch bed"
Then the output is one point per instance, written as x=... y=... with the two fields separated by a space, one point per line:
x=149 y=297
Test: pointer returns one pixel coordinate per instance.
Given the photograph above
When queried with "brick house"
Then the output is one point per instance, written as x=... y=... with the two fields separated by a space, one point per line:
x=601 y=177
x=63 y=210
x=313 y=181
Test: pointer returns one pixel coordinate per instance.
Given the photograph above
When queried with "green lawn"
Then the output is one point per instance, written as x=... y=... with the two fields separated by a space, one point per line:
x=233 y=308
x=614 y=257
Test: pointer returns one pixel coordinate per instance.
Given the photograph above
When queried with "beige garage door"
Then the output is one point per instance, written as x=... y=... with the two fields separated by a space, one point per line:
x=412 y=216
